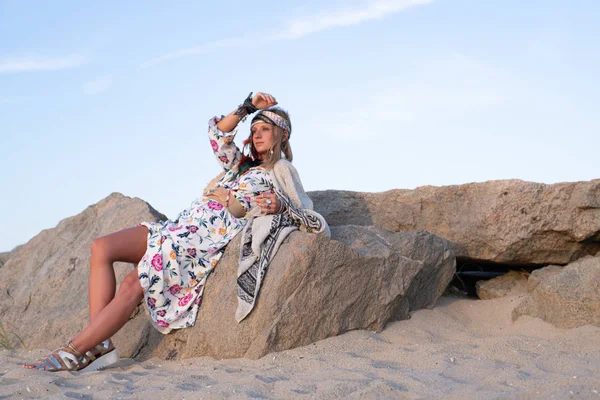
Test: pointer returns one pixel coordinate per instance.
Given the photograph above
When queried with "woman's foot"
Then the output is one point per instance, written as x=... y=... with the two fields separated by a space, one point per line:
x=68 y=358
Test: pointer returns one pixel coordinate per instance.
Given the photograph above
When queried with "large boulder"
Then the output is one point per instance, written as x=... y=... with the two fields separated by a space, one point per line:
x=43 y=285
x=510 y=222
x=439 y=261
x=541 y=274
x=510 y=284
x=315 y=288
x=566 y=298
x=4 y=258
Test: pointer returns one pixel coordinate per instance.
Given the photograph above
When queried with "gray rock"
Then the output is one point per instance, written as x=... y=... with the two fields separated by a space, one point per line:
x=511 y=222
x=43 y=286
x=510 y=284
x=567 y=299
x=315 y=288
x=540 y=274
x=4 y=257
x=439 y=264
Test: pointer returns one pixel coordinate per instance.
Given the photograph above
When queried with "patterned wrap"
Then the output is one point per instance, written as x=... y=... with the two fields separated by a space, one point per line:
x=273 y=119
x=270 y=233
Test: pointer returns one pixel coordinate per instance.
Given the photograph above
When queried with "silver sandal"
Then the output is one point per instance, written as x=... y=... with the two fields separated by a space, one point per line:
x=69 y=358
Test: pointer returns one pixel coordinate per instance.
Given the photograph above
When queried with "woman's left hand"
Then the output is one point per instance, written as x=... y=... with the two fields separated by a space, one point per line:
x=263 y=100
x=218 y=194
x=268 y=202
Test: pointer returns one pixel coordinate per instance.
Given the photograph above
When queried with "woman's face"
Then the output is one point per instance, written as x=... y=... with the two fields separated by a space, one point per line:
x=262 y=138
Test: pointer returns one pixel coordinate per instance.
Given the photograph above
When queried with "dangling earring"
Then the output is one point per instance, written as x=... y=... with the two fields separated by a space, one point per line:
x=271 y=152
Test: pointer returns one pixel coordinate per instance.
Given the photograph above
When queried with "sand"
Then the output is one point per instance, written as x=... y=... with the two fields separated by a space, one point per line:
x=462 y=349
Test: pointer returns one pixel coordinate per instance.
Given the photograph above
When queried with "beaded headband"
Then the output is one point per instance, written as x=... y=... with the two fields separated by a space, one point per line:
x=271 y=118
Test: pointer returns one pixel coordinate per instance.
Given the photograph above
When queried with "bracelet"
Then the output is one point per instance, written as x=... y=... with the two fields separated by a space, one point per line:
x=246 y=107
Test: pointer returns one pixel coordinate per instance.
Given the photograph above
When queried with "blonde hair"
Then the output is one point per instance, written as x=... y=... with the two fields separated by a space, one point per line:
x=280 y=143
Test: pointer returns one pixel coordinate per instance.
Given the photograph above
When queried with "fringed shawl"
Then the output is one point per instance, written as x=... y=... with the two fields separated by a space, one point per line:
x=263 y=235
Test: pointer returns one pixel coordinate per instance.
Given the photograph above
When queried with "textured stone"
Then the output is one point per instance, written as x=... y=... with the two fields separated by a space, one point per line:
x=566 y=299
x=315 y=288
x=43 y=286
x=510 y=284
x=4 y=258
x=511 y=221
x=439 y=264
x=540 y=274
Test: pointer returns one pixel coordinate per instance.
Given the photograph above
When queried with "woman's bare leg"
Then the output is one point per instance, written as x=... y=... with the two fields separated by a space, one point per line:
x=112 y=317
x=128 y=245
x=108 y=313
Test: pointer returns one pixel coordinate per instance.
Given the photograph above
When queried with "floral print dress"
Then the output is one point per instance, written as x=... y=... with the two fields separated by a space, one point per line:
x=182 y=252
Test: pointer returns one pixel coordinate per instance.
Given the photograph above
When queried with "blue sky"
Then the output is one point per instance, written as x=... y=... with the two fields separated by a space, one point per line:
x=98 y=97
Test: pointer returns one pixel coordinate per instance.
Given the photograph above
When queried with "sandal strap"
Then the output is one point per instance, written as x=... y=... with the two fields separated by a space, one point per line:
x=99 y=350
x=71 y=361
x=60 y=360
x=46 y=365
x=57 y=361
x=75 y=350
x=40 y=366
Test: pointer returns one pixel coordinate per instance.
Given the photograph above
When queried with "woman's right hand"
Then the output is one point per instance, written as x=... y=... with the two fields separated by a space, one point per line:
x=263 y=100
x=269 y=203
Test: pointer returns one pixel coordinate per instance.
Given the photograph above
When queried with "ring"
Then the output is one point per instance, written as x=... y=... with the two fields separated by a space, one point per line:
x=268 y=201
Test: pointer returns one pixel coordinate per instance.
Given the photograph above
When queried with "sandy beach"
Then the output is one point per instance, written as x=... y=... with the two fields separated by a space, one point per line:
x=463 y=348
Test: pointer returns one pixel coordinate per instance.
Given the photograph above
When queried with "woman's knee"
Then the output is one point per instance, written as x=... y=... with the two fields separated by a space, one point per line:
x=130 y=286
x=100 y=249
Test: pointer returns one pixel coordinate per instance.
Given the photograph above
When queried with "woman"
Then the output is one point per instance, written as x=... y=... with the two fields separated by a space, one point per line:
x=175 y=257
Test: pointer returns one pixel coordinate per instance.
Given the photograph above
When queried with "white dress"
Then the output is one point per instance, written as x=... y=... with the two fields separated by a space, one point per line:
x=182 y=252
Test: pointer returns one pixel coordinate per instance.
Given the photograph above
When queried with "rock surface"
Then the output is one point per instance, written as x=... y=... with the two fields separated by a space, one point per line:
x=540 y=274
x=511 y=284
x=566 y=299
x=43 y=286
x=510 y=221
x=439 y=263
x=315 y=288
x=4 y=258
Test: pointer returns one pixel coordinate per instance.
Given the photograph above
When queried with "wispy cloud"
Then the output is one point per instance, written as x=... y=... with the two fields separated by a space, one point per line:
x=335 y=18
x=34 y=64
x=97 y=85
x=197 y=50
x=302 y=26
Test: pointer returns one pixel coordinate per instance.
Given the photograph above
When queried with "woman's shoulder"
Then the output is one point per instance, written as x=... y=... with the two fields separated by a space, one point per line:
x=283 y=165
x=285 y=175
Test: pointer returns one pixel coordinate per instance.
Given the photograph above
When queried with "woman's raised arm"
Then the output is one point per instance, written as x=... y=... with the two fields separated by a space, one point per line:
x=221 y=132
x=258 y=102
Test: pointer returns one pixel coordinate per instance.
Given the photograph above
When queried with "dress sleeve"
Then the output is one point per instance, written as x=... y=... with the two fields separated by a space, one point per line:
x=297 y=204
x=228 y=154
x=250 y=185
x=247 y=200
